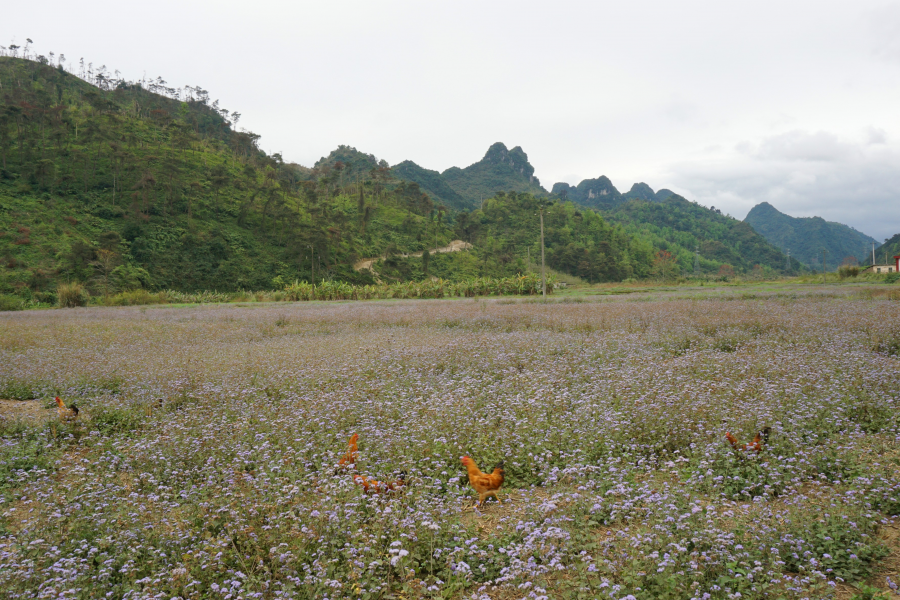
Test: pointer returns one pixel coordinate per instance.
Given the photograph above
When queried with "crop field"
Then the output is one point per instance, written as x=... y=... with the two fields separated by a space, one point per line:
x=203 y=461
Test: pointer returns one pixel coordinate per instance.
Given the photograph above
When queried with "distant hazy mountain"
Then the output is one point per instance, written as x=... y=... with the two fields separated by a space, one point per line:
x=592 y=193
x=663 y=194
x=641 y=191
x=601 y=193
x=501 y=170
x=805 y=237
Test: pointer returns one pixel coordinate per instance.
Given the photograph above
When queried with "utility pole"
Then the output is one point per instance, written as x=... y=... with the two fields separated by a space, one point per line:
x=697 y=261
x=873 y=252
x=824 y=252
x=788 y=266
x=543 y=276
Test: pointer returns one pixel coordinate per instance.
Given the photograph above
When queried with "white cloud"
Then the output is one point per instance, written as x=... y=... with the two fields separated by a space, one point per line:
x=803 y=174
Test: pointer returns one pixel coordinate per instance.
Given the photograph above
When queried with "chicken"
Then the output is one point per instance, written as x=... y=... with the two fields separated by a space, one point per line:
x=760 y=441
x=67 y=414
x=486 y=485
x=351 y=455
x=373 y=486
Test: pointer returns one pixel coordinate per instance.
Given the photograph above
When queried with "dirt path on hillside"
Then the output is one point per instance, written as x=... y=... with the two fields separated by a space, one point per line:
x=454 y=246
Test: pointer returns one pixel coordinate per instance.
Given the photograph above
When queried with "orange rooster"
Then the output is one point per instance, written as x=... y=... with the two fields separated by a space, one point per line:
x=486 y=485
x=352 y=453
x=761 y=439
x=67 y=414
x=373 y=486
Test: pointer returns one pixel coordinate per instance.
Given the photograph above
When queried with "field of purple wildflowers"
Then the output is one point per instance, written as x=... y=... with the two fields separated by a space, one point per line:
x=204 y=462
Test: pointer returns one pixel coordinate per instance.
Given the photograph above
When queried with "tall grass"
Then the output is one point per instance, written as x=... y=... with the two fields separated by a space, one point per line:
x=71 y=295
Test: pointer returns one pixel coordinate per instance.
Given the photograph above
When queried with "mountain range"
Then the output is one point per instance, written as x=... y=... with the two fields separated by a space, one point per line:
x=670 y=221
x=121 y=185
x=807 y=237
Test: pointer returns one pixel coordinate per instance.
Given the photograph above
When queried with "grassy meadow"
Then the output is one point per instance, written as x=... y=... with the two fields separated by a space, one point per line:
x=203 y=462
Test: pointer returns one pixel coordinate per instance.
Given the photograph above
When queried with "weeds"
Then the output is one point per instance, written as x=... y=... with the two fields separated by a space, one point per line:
x=204 y=462
x=71 y=295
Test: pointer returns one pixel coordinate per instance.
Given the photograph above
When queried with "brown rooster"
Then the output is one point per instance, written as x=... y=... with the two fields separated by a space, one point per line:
x=761 y=440
x=486 y=485
x=351 y=455
x=67 y=414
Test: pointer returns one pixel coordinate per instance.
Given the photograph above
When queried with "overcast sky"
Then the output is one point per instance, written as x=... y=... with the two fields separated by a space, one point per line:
x=727 y=103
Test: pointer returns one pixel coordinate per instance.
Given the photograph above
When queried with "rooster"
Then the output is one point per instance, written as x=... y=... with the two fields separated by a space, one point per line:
x=486 y=485
x=761 y=440
x=351 y=455
x=67 y=414
x=373 y=486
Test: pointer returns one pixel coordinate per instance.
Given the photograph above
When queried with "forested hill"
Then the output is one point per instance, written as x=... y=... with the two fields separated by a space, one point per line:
x=683 y=227
x=600 y=193
x=501 y=170
x=885 y=253
x=121 y=185
x=806 y=237
x=433 y=184
x=639 y=239
x=117 y=186
x=670 y=222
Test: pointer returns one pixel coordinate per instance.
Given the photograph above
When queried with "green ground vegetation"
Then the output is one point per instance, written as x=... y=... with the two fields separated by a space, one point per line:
x=123 y=188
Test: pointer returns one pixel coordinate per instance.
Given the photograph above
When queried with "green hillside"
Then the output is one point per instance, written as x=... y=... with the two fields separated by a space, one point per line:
x=122 y=185
x=500 y=170
x=506 y=238
x=119 y=187
x=806 y=237
x=432 y=183
x=669 y=222
x=885 y=253
x=599 y=246
x=681 y=226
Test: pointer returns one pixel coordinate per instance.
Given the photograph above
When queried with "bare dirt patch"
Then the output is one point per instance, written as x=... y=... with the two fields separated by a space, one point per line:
x=31 y=411
x=454 y=246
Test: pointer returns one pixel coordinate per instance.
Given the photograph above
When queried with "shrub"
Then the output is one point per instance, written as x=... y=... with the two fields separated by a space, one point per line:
x=130 y=277
x=845 y=272
x=19 y=390
x=45 y=298
x=136 y=297
x=8 y=302
x=70 y=295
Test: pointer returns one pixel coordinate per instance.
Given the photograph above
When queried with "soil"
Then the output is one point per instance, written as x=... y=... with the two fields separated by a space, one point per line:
x=454 y=246
x=32 y=411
